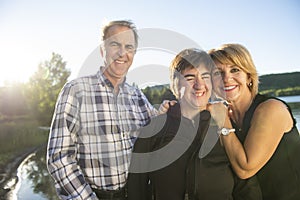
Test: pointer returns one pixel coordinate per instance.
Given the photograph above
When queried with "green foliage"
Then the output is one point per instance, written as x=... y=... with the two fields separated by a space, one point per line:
x=285 y=84
x=19 y=134
x=282 y=92
x=156 y=94
x=279 y=81
x=44 y=87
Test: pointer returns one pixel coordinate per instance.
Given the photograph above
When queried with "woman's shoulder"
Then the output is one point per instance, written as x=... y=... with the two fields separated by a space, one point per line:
x=269 y=103
x=264 y=102
x=273 y=108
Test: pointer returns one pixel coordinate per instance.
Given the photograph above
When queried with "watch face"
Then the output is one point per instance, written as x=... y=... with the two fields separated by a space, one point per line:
x=226 y=131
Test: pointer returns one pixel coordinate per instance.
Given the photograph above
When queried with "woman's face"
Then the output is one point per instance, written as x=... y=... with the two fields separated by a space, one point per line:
x=230 y=82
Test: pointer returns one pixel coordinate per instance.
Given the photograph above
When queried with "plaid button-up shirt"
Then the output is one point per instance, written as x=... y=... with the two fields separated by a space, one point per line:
x=89 y=143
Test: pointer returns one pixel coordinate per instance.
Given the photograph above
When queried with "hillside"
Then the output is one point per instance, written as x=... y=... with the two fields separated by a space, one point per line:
x=279 y=81
x=283 y=84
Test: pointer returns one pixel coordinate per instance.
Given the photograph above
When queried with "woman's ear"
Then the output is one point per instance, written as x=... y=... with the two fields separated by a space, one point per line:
x=249 y=78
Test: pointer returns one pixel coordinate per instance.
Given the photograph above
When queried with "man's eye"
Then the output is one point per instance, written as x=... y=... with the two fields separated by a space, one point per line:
x=130 y=48
x=114 y=44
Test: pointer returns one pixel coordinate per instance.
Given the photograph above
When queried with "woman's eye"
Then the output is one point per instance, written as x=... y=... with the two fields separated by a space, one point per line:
x=235 y=70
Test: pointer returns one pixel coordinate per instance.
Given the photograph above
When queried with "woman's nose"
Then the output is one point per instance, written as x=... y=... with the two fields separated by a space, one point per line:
x=226 y=77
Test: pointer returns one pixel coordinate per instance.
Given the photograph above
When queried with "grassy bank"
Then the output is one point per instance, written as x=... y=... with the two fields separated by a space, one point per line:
x=17 y=135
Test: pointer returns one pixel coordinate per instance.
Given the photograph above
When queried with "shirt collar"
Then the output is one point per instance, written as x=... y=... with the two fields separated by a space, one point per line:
x=103 y=80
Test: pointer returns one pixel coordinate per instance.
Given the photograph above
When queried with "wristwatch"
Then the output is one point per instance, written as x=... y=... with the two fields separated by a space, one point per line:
x=226 y=131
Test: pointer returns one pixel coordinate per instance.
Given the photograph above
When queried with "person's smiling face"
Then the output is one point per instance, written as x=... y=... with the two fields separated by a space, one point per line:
x=197 y=87
x=119 y=50
x=230 y=82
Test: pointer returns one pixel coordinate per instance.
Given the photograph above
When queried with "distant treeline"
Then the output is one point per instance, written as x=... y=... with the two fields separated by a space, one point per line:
x=36 y=98
x=284 y=84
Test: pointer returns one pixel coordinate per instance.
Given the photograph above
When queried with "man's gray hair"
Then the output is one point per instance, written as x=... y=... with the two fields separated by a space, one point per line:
x=126 y=23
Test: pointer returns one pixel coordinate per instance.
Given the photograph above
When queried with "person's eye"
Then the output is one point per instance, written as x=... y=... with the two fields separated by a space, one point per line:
x=114 y=44
x=206 y=76
x=130 y=48
x=190 y=79
x=217 y=73
x=234 y=70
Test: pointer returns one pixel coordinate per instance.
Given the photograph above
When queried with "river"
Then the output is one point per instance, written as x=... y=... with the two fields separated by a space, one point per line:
x=34 y=183
x=294 y=102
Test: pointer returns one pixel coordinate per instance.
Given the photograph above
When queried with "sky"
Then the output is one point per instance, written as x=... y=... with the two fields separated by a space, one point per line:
x=31 y=30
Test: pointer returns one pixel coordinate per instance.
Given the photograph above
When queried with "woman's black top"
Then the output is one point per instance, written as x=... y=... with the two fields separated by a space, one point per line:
x=279 y=179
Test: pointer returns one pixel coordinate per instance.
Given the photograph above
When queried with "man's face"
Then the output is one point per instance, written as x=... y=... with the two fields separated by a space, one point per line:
x=198 y=87
x=119 y=50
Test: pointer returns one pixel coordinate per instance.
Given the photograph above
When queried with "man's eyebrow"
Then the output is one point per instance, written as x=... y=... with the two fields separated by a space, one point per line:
x=113 y=41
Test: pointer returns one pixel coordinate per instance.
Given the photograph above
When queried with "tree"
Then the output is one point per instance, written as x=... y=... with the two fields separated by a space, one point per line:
x=44 y=87
x=156 y=94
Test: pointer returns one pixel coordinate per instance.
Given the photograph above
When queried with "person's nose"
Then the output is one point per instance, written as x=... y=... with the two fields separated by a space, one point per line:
x=226 y=77
x=199 y=83
x=122 y=51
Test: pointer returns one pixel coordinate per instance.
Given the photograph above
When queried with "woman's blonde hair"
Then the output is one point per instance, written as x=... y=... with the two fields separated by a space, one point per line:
x=236 y=54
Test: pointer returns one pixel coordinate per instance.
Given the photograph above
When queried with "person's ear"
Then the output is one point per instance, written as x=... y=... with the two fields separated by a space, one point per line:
x=102 y=50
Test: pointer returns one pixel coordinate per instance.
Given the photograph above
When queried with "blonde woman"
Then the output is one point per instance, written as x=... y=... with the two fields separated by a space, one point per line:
x=259 y=133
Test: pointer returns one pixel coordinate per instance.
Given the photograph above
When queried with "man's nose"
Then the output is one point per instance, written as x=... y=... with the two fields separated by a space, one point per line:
x=122 y=51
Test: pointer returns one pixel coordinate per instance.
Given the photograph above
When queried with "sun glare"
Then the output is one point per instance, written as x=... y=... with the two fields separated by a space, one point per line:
x=17 y=66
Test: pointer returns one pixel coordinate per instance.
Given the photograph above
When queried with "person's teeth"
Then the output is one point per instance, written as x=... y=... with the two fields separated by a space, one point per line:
x=199 y=94
x=229 y=87
x=120 y=62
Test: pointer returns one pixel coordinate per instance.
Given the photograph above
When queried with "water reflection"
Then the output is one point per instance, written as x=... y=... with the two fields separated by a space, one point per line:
x=34 y=181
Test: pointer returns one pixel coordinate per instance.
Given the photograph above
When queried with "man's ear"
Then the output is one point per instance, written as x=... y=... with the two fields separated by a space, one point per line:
x=102 y=50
